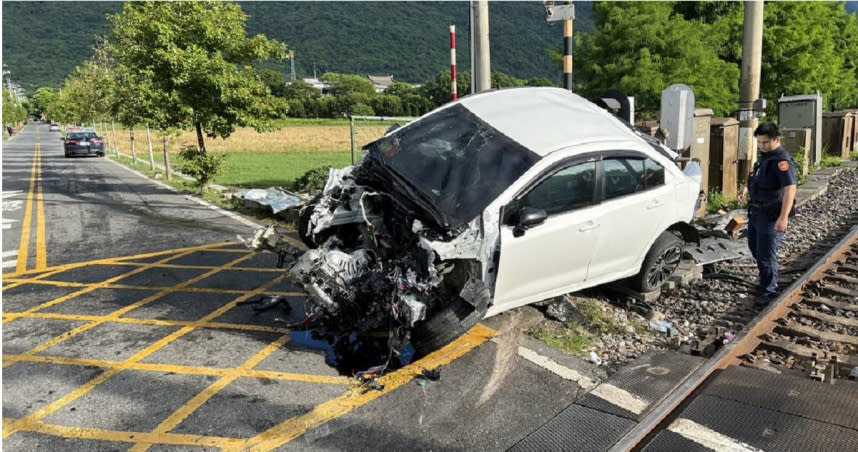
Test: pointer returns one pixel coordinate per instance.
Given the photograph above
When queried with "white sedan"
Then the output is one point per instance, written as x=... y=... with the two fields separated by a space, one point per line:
x=488 y=203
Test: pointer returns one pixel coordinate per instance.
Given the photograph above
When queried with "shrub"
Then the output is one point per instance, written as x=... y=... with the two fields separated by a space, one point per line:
x=718 y=201
x=831 y=162
x=314 y=180
x=202 y=166
x=853 y=155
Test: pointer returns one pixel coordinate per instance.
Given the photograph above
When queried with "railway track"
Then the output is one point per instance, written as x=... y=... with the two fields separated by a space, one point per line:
x=811 y=329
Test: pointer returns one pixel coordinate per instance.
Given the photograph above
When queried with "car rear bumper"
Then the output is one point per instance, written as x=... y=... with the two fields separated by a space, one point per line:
x=89 y=150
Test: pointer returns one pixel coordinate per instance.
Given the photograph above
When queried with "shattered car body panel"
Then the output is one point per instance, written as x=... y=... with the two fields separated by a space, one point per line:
x=430 y=223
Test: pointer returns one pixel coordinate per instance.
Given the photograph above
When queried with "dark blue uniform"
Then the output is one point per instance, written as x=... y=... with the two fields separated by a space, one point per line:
x=774 y=171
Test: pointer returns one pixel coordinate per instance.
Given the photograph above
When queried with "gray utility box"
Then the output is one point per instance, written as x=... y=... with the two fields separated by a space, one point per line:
x=700 y=146
x=724 y=156
x=797 y=143
x=837 y=133
x=804 y=112
x=677 y=116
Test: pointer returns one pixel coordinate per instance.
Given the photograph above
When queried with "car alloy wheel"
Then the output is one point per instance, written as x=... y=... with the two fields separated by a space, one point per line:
x=664 y=266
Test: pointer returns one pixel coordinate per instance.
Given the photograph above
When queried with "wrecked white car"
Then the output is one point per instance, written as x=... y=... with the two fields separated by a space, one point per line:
x=489 y=203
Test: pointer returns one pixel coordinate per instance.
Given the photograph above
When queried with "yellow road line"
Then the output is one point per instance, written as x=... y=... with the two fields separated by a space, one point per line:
x=116 y=314
x=173 y=439
x=24 y=423
x=149 y=322
x=60 y=268
x=103 y=285
x=91 y=288
x=203 y=267
x=353 y=399
x=24 y=246
x=41 y=240
x=182 y=370
x=200 y=399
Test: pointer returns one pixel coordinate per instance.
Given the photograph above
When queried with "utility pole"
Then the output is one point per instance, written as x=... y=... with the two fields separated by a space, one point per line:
x=483 y=70
x=749 y=102
x=566 y=14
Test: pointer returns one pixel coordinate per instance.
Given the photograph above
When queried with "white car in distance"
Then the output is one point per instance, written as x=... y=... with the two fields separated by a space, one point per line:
x=489 y=203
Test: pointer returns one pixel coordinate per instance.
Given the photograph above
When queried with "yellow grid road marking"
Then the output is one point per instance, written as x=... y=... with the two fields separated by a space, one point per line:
x=50 y=271
x=353 y=399
x=25 y=423
x=183 y=370
x=194 y=404
x=173 y=439
x=104 y=285
x=118 y=313
x=153 y=322
x=91 y=288
x=203 y=267
x=24 y=246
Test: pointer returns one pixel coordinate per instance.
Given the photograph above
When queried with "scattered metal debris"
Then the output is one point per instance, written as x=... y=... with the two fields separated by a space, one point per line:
x=276 y=198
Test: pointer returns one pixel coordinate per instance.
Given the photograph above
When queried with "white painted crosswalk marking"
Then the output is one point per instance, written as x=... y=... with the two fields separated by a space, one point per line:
x=10 y=258
x=707 y=437
x=7 y=223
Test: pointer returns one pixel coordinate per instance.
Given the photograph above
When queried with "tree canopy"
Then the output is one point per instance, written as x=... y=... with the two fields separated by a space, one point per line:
x=189 y=63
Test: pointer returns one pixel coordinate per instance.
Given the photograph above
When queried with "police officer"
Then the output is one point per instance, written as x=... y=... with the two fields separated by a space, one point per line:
x=772 y=186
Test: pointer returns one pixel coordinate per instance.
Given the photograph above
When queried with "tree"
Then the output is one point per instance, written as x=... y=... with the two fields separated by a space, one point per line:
x=809 y=47
x=641 y=48
x=343 y=84
x=13 y=111
x=192 y=64
x=275 y=81
x=41 y=100
x=87 y=95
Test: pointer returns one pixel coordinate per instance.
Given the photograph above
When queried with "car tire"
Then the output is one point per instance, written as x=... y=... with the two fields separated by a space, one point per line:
x=661 y=261
x=67 y=155
x=449 y=323
x=304 y=222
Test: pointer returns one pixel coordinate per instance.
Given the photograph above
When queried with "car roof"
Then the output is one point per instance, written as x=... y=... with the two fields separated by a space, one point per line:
x=546 y=119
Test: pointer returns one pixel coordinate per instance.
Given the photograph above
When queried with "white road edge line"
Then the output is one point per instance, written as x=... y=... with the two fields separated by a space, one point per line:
x=620 y=397
x=707 y=437
x=553 y=366
x=201 y=202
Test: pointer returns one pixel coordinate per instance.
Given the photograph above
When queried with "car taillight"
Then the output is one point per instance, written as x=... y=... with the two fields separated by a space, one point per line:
x=71 y=141
x=94 y=141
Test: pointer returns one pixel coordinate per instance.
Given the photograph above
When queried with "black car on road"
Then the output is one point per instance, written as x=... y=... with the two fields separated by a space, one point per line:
x=83 y=143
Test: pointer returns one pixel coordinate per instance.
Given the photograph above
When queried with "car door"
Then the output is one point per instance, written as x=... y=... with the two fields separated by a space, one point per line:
x=635 y=205
x=552 y=256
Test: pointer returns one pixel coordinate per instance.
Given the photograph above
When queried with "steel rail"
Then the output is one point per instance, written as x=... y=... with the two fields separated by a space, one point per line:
x=729 y=354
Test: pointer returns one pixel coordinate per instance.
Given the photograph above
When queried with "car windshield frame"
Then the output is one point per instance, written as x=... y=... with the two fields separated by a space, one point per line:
x=457 y=161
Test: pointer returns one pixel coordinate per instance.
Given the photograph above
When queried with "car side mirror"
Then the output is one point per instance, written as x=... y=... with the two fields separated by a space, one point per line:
x=528 y=217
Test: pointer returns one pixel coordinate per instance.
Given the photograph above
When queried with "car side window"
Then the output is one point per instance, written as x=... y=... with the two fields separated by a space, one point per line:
x=654 y=173
x=568 y=189
x=624 y=176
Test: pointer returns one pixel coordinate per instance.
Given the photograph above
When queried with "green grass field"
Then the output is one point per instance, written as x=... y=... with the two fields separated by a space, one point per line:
x=276 y=169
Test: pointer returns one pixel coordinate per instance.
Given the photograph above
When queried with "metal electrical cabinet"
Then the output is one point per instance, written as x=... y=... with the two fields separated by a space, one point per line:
x=724 y=156
x=798 y=142
x=837 y=133
x=804 y=112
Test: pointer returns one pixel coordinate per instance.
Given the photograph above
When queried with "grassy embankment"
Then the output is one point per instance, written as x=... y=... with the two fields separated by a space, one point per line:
x=254 y=159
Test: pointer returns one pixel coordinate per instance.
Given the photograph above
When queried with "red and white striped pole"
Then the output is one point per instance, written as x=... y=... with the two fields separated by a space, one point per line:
x=453 y=61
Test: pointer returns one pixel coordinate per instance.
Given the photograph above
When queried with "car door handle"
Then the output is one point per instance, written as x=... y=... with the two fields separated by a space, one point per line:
x=588 y=226
x=654 y=204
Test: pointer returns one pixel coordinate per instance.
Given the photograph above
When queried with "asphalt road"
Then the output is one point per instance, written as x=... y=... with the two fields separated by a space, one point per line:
x=93 y=208
x=127 y=325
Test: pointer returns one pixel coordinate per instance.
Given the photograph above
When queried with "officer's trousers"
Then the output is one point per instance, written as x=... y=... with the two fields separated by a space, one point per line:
x=764 y=243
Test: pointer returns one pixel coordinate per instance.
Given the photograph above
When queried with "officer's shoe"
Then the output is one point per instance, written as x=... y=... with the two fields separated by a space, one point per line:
x=763 y=300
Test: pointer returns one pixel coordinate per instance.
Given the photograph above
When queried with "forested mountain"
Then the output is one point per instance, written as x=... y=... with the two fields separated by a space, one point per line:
x=44 y=41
